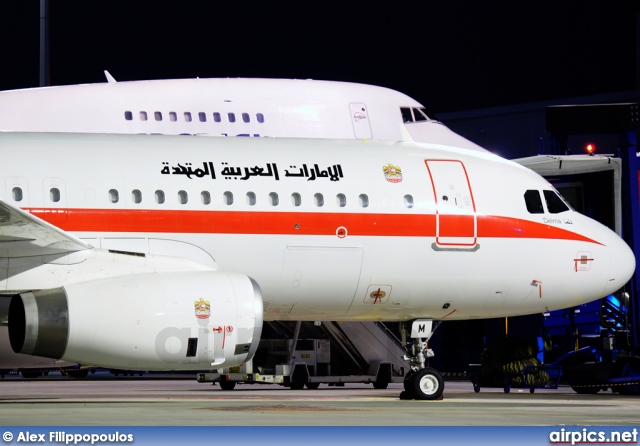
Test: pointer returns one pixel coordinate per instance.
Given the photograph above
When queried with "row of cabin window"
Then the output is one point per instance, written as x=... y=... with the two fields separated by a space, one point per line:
x=228 y=199
x=202 y=116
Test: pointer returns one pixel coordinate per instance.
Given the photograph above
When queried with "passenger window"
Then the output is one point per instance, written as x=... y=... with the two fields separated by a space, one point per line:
x=128 y=115
x=364 y=200
x=17 y=194
x=296 y=199
x=260 y=118
x=173 y=117
x=159 y=197
x=408 y=201
x=319 y=199
x=114 y=197
x=273 y=199
x=158 y=116
x=136 y=196
x=143 y=115
x=54 y=194
x=232 y=117
x=187 y=116
x=202 y=117
x=251 y=198
x=555 y=204
x=183 y=197
x=228 y=198
x=205 y=197
x=533 y=201
x=216 y=117
x=245 y=117
x=341 y=200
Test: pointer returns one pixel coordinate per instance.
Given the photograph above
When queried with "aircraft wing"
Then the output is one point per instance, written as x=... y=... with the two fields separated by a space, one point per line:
x=24 y=235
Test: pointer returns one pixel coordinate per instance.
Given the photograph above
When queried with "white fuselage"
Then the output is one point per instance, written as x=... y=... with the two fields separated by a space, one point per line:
x=226 y=107
x=330 y=230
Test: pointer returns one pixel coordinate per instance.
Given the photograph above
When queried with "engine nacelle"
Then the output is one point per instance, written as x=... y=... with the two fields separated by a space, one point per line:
x=160 y=321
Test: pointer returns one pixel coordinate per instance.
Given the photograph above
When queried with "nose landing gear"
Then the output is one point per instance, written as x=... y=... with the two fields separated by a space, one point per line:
x=422 y=383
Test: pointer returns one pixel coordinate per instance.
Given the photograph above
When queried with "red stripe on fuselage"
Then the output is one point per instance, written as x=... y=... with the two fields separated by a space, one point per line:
x=290 y=223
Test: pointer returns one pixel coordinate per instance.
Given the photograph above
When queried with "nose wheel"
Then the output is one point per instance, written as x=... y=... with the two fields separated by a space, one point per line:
x=421 y=383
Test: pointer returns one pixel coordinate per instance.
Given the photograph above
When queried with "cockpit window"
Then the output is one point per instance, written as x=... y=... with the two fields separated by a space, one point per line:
x=534 y=202
x=406 y=114
x=413 y=114
x=420 y=115
x=555 y=204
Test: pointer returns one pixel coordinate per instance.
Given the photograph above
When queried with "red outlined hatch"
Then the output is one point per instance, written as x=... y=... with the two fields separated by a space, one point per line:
x=456 y=222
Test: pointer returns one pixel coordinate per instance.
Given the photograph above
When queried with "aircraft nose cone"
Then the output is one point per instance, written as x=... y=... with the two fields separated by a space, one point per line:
x=622 y=265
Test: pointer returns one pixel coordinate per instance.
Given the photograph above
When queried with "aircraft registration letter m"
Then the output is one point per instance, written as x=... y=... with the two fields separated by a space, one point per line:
x=421 y=328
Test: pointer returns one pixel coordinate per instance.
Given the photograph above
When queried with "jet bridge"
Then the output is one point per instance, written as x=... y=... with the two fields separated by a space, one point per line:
x=598 y=343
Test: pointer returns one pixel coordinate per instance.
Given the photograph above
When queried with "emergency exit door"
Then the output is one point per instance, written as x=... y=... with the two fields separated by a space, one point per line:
x=456 y=223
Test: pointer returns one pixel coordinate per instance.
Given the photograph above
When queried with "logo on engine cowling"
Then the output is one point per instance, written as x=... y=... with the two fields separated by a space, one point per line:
x=202 y=308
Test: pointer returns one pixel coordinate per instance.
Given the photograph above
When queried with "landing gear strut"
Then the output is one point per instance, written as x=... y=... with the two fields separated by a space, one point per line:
x=421 y=383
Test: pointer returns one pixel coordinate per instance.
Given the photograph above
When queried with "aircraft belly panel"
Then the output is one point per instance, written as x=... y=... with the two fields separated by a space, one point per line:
x=318 y=281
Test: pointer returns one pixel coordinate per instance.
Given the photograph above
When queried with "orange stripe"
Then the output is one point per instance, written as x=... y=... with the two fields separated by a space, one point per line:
x=289 y=223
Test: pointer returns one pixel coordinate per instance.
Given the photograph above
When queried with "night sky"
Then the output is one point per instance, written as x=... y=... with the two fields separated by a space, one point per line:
x=449 y=55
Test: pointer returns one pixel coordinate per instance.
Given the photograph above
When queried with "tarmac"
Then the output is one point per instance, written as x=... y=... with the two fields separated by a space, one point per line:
x=182 y=401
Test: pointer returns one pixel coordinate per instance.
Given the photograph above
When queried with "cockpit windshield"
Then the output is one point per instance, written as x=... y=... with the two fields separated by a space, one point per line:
x=555 y=204
x=413 y=114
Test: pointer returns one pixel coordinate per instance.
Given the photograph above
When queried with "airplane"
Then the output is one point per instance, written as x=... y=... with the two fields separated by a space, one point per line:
x=236 y=107
x=168 y=252
x=225 y=107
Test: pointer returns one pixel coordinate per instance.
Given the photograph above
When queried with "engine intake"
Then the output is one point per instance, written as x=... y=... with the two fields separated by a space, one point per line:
x=47 y=332
x=162 y=321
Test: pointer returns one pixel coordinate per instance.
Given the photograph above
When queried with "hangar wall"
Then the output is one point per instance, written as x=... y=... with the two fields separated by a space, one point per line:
x=518 y=131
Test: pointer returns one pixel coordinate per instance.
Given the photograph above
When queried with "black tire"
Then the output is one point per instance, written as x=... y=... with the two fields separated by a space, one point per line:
x=31 y=374
x=629 y=369
x=227 y=385
x=299 y=377
x=426 y=384
x=407 y=380
x=78 y=373
x=380 y=385
x=586 y=390
x=312 y=386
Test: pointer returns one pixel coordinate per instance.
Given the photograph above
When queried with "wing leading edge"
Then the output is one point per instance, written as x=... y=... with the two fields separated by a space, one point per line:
x=24 y=235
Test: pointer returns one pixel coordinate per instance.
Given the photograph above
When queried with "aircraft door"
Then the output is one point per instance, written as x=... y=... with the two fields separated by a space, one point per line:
x=456 y=222
x=360 y=120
